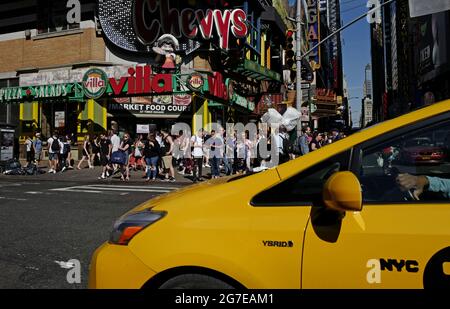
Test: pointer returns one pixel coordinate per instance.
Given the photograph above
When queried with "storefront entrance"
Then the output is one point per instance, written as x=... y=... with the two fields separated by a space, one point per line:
x=60 y=116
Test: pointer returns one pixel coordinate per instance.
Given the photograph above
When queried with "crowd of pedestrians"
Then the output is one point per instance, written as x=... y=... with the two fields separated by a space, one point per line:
x=159 y=155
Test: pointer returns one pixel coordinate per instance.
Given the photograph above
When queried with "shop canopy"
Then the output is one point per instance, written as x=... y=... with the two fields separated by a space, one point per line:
x=255 y=71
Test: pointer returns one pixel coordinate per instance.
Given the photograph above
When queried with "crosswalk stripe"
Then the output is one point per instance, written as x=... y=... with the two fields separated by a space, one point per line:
x=103 y=188
x=124 y=189
x=81 y=191
x=137 y=187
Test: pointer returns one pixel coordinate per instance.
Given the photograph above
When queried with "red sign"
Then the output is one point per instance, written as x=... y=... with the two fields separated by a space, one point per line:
x=325 y=95
x=217 y=86
x=141 y=81
x=154 y=18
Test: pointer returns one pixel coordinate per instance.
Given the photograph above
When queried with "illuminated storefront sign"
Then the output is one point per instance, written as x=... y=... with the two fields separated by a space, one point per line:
x=153 y=18
x=141 y=81
x=135 y=25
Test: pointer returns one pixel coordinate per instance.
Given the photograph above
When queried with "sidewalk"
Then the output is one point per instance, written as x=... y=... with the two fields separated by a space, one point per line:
x=91 y=175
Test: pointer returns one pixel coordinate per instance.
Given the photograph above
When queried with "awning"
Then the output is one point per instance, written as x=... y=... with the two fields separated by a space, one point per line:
x=255 y=71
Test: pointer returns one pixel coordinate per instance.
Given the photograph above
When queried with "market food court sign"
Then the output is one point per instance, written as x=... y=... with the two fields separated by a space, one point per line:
x=155 y=105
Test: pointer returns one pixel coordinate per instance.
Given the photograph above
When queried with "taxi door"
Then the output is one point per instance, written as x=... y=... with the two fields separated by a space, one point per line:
x=396 y=241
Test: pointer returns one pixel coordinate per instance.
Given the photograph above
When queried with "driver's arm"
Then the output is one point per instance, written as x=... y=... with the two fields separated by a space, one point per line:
x=421 y=183
x=437 y=184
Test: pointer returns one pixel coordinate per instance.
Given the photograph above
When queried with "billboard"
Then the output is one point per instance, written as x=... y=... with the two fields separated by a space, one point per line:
x=432 y=42
x=422 y=7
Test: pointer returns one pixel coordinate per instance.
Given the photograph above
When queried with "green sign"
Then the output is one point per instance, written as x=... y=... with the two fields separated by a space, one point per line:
x=243 y=102
x=72 y=91
x=257 y=68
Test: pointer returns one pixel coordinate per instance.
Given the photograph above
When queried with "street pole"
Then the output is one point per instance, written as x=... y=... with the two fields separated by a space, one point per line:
x=298 y=103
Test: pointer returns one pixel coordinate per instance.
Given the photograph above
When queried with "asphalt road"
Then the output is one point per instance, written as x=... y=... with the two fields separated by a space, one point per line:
x=45 y=221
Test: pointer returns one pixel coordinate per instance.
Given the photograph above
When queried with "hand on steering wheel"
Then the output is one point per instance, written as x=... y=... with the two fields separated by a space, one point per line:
x=404 y=190
x=412 y=185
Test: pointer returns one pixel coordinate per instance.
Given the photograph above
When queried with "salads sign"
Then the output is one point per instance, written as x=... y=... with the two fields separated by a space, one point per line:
x=38 y=92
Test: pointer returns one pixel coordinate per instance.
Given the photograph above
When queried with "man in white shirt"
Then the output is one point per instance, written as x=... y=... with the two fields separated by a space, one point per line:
x=197 y=154
x=115 y=141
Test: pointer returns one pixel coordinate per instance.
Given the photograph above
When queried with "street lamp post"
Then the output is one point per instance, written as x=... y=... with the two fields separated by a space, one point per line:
x=298 y=102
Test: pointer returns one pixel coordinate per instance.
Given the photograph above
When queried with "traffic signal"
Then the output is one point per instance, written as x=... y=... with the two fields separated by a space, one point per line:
x=289 y=56
x=307 y=72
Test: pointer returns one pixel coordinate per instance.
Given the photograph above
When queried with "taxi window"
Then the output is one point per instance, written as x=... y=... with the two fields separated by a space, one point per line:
x=305 y=188
x=411 y=167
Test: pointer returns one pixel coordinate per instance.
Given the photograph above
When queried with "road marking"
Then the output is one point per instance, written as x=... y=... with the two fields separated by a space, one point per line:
x=117 y=189
x=6 y=184
x=81 y=191
x=13 y=199
x=33 y=192
x=138 y=187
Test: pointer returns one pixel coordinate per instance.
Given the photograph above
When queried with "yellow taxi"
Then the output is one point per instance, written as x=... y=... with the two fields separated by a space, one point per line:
x=353 y=214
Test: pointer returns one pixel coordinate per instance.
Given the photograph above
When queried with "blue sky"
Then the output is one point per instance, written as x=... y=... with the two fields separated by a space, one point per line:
x=356 y=51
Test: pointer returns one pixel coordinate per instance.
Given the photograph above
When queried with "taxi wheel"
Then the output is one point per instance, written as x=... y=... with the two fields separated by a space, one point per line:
x=195 y=281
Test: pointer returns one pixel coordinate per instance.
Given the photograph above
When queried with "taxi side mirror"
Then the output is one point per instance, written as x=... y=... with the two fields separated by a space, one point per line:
x=342 y=192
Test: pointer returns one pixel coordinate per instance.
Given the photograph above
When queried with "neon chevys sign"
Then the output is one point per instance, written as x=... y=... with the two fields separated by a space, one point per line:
x=139 y=25
x=153 y=18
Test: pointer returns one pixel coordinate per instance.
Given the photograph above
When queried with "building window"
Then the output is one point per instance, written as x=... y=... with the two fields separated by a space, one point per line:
x=52 y=17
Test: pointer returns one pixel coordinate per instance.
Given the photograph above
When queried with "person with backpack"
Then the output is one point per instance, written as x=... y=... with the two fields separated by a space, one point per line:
x=284 y=146
x=54 y=149
x=86 y=152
